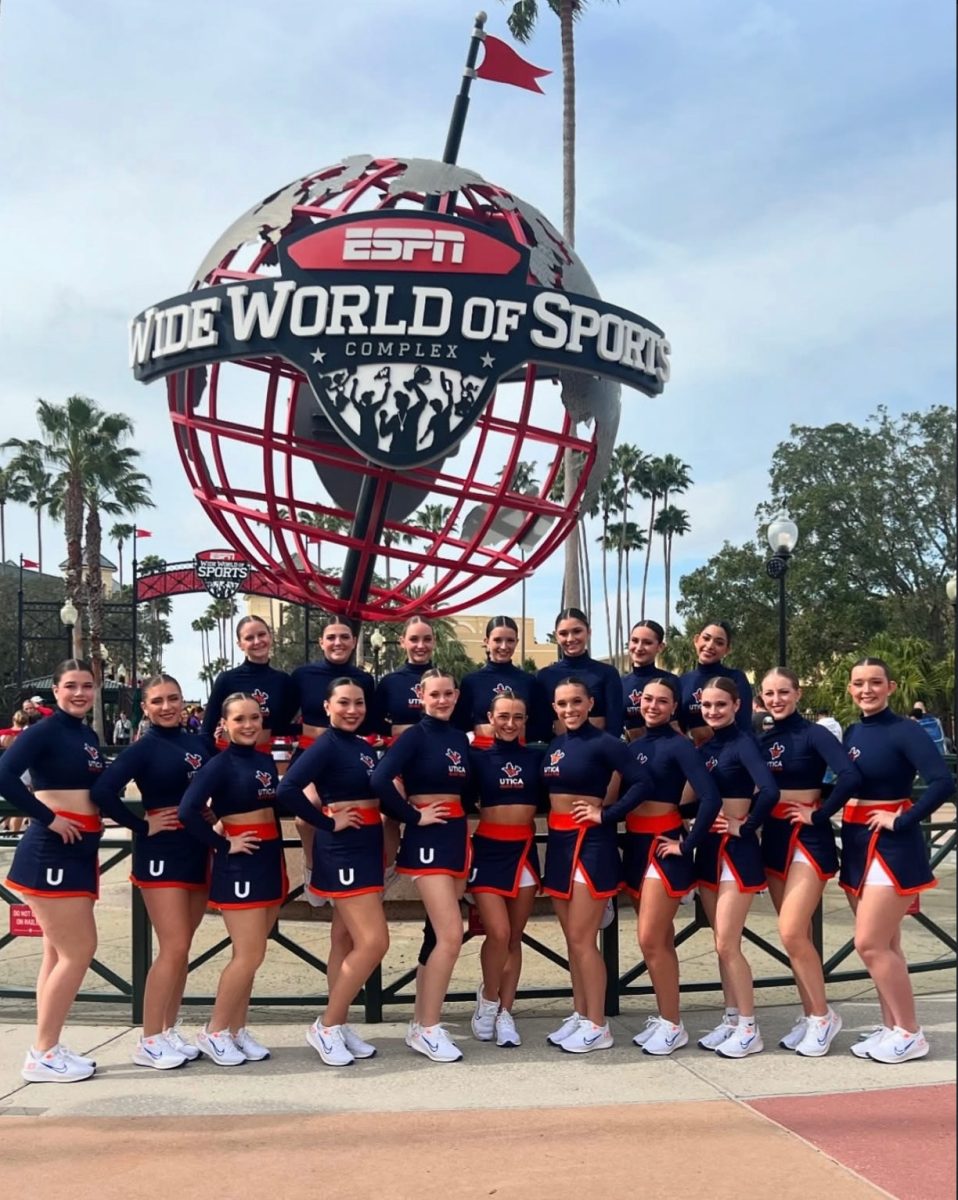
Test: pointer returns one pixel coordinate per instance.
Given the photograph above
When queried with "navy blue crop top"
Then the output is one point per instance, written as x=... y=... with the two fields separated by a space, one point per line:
x=431 y=758
x=338 y=764
x=271 y=689
x=62 y=753
x=602 y=679
x=739 y=771
x=162 y=763
x=798 y=753
x=889 y=751
x=399 y=696
x=311 y=683
x=583 y=761
x=632 y=685
x=240 y=780
x=479 y=688
x=691 y=684
x=508 y=773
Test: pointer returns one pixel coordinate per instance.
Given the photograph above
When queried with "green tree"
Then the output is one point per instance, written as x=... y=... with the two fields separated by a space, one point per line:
x=13 y=490
x=121 y=534
x=434 y=519
x=41 y=489
x=671 y=522
x=152 y=620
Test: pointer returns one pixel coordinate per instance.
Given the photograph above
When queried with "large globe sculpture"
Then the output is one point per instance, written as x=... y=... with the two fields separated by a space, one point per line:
x=282 y=485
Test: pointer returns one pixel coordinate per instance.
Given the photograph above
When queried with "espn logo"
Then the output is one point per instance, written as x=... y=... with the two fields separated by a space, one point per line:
x=364 y=244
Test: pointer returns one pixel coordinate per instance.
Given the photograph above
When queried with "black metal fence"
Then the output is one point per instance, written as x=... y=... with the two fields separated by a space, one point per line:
x=377 y=996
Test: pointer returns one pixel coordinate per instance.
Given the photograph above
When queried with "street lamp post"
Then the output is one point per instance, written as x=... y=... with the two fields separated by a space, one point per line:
x=69 y=616
x=376 y=642
x=782 y=539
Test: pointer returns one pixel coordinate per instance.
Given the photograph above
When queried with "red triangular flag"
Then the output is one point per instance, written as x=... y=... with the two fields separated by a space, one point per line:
x=143 y=533
x=28 y=562
x=501 y=64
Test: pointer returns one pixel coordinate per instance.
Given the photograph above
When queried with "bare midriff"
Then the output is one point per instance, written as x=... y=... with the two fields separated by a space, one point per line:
x=434 y=798
x=806 y=797
x=701 y=734
x=736 y=807
x=256 y=816
x=562 y=802
x=313 y=731
x=509 y=814
x=855 y=801
x=396 y=730
x=656 y=808
x=69 y=800
x=338 y=805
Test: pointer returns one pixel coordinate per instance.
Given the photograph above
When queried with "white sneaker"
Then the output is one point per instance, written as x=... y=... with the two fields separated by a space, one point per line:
x=435 y=1043
x=608 y=914
x=329 y=1044
x=651 y=1025
x=588 y=1037
x=156 y=1051
x=80 y=1058
x=179 y=1042
x=355 y=1044
x=52 y=1066
x=411 y=1033
x=484 y=1018
x=566 y=1029
x=220 y=1048
x=899 y=1046
x=743 y=1041
x=791 y=1040
x=506 y=1032
x=721 y=1033
x=666 y=1038
x=819 y=1035
x=248 y=1046
x=863 y=1047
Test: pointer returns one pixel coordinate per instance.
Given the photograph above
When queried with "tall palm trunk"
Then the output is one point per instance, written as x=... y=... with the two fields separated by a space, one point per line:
x=94 y=590
x=648 y=546
x=605 y=576
x=572 y=581
x=73 y=531
x=667 y=563
x=39 y=539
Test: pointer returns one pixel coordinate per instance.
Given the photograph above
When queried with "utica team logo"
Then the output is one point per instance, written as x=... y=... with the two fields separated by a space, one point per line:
x=552 y=766
x=193 y=761
x=265 y=781
x=368 y=761
x=853 y=753
x=511 y=770
x=93 y=754
x=711 y=763
x=634 y=697
x=455 y=762
x=261 y=698
x=511 y=776
x=775 y=760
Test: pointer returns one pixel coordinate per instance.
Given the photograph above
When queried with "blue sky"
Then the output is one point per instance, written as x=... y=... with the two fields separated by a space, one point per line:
x=772 y=183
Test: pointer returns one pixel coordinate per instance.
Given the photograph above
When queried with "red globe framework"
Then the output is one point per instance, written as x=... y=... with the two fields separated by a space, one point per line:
x=282 y=494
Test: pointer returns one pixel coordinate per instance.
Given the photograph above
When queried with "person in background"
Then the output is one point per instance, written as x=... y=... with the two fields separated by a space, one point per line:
x=931 y=725
x=824 y=718
x=122 y=730
x=20 y=722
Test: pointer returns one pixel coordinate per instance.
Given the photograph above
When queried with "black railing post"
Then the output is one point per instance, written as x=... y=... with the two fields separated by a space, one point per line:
x=610 y=956
x=373 y=997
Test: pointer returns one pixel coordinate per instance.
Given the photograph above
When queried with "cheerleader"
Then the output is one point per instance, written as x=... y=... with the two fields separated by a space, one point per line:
x=310 y=683
x=646 y=643
x=711 y=646
x=55 y=866
x=884 y=857
x=270 y=688
x=800 y=858
x=347 y=864
x=583 y=767
x=248 y=880
x=505 y=866
x=431 y=760
x=170 y=866
x=601 y=679
x=658 y=857
x=729 y=865
x=498 y=677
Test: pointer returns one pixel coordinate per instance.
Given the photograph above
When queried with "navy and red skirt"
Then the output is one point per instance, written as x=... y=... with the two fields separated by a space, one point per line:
x=256 y=880
x=903 y=855
x=436 y=849
x=675 y=873
x=742 y=855
x=350 y=862
x=587 y=848
x=172 y=858
x=500 y=854
x=781 y=838
x=45 y=865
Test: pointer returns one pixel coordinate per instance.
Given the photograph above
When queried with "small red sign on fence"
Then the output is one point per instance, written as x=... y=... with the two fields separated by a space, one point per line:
x=915 y=906
x=22 y=921
x=474 y=923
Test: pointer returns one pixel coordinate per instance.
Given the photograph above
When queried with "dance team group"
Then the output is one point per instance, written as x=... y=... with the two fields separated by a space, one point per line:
x=705 y=804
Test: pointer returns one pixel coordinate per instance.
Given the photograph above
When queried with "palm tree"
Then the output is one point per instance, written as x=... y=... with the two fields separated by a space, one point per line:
x=121 y=534
x=522 y=21
x=42 y=491
x=13 y=490
x=204 y=626
x=606 y=505
x=627 y=537
x=671 y=522
x=650 y=485
x=433 y=518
